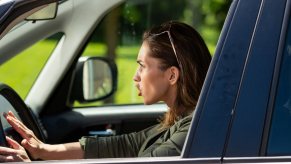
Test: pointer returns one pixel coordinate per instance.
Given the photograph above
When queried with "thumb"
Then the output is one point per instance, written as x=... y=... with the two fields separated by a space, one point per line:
x=26 y=145
x=31 y=148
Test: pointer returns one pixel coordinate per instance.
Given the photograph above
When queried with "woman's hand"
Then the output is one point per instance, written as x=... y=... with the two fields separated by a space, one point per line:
x=30 y=142
x=36 y=148
x=14 y=154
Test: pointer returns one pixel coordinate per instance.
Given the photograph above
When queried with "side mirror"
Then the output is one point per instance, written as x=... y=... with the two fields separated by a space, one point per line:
x=45 y=13
x=95 y=79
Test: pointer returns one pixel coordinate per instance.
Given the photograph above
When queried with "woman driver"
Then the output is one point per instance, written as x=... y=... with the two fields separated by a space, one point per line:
x=173 y=61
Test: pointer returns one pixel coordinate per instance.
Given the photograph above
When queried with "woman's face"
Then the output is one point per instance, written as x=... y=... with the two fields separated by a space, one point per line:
x=152 y=82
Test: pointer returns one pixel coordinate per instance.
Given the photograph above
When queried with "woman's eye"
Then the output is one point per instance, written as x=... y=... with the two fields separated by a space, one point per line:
x=140 y=68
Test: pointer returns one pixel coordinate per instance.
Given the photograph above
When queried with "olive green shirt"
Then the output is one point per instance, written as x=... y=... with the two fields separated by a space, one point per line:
x=150 y=142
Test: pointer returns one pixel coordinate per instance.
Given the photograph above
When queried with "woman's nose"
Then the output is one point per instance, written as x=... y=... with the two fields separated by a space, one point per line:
x=136 y=77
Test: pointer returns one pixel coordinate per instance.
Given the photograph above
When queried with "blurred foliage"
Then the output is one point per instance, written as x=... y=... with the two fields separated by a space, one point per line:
x=135 y=16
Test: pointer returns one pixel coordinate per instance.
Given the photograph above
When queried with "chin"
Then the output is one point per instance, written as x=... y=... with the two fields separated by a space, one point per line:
x=148 y=102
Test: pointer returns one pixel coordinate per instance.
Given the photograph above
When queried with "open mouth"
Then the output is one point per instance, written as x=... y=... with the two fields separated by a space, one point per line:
x=139 y=90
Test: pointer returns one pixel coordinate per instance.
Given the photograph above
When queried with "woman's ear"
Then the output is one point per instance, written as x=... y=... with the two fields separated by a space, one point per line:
x=174 y=75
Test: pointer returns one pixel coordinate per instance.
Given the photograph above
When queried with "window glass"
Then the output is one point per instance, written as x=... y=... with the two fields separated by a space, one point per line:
x=280 y=133
x=29 y=64
x=118 y=35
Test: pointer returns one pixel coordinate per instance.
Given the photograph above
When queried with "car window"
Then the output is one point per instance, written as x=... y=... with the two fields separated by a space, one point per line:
x=279 y=142
x=30 y=63
x=118 y=35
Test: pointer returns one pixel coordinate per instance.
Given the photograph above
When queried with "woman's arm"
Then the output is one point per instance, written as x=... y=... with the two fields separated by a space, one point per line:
x=61 y=151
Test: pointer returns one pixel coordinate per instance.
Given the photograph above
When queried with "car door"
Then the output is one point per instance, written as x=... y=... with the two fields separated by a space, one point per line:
x=259 y=116
x=243 y=115
x=214 y=113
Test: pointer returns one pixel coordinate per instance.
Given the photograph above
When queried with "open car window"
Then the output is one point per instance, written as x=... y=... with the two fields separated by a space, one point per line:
x=31 y=61
x=118 y=35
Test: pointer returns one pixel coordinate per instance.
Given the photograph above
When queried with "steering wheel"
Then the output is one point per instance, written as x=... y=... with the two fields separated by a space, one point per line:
x=10 y=100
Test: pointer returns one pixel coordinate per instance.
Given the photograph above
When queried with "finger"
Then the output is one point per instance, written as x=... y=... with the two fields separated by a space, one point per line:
x=29 y=147
x=13 y=143
x=16 y=121
x=12 y=117
x=26 y=144
x=18 y=126
x=11 y=114
x=7 y=151
x=8 y=114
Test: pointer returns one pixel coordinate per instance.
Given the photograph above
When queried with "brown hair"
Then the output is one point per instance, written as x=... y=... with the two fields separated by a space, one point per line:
x=193 y=59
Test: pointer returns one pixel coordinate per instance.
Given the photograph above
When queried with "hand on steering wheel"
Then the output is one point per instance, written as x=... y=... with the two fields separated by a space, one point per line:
x=30 y=142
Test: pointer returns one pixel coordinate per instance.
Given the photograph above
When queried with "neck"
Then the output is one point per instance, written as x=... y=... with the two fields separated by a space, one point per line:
x=170 y=97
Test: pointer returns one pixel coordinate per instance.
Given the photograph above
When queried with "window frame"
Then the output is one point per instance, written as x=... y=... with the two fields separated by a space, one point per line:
x=276 y=77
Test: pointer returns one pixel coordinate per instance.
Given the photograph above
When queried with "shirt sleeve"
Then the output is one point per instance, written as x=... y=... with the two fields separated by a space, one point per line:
x=127 y=145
